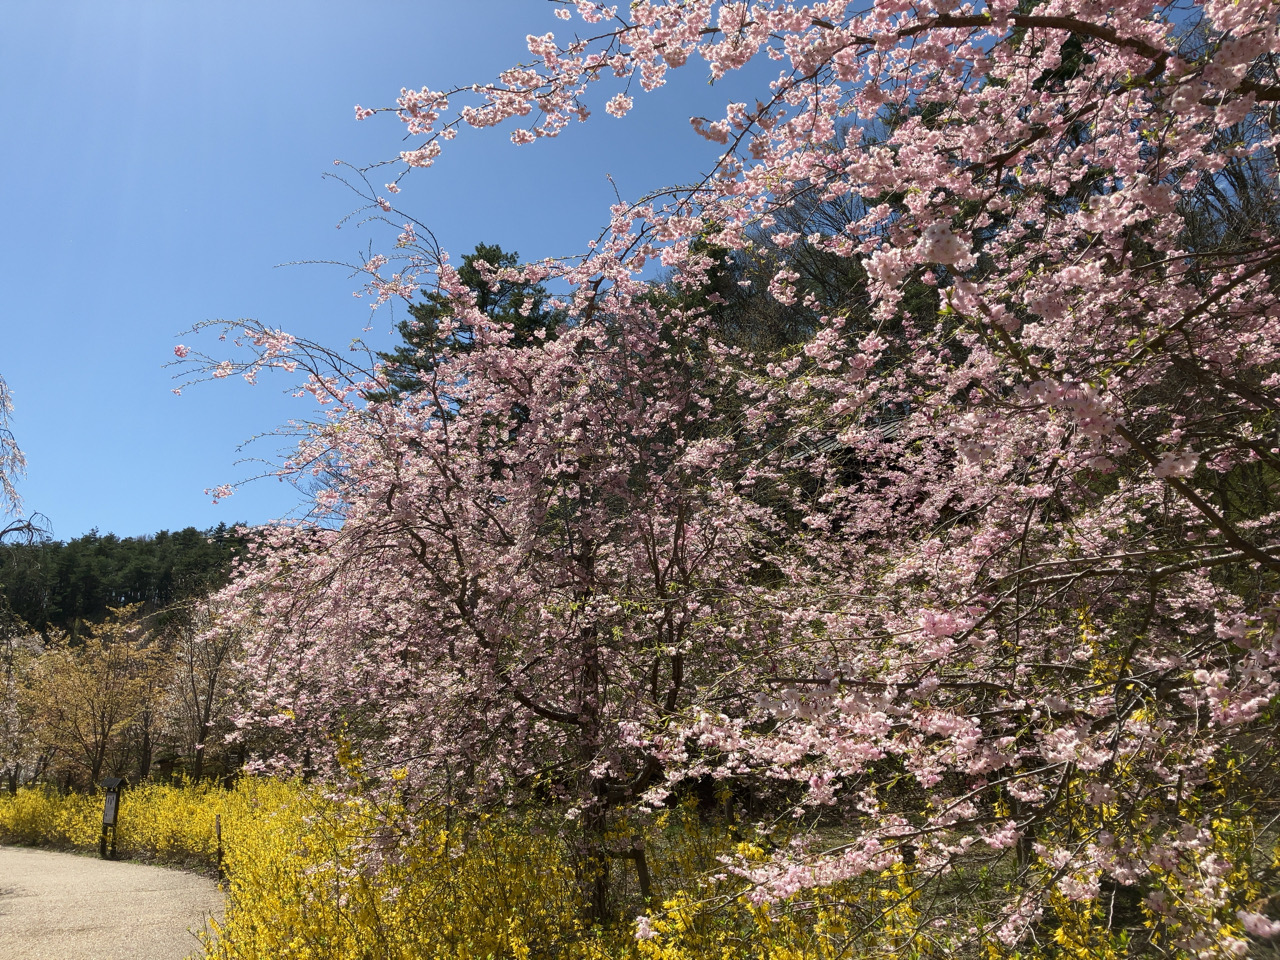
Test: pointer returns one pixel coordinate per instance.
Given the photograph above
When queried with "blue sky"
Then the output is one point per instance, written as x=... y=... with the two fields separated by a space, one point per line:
x=161 y=158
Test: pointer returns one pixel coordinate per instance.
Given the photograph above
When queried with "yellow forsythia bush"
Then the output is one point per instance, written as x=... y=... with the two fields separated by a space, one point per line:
x=497 y=887
x=297 y=890
x=501 y=886
x=169 y=823
x=45 y=818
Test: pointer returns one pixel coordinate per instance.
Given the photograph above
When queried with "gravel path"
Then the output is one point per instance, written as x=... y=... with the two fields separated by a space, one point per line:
x=60 y=906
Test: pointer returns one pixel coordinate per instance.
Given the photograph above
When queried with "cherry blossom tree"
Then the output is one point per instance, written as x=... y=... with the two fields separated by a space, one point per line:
x=505 y=594
x=986 y=567
x=11 y=459
x=12 y=464
x=199 y=690
x=21 y=759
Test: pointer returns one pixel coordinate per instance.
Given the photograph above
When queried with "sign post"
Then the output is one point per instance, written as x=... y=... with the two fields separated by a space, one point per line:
x=110 y=811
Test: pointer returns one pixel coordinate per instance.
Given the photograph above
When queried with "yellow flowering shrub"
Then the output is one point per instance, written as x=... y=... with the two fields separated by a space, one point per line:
x=299 y=889
x=313 y=877
x=169 y=823
x=45 y=818
x=502 y=886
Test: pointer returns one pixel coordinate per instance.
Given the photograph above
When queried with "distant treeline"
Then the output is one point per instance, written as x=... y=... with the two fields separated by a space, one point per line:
x=58 y=584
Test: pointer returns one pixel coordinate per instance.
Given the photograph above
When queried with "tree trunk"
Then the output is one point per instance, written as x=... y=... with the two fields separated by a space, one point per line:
x=197 y=766
x=593 y=869
x=145 y=747
x=593 y=865
x=97 y=759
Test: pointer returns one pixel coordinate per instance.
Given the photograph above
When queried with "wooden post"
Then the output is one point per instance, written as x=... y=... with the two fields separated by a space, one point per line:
x=217 y=830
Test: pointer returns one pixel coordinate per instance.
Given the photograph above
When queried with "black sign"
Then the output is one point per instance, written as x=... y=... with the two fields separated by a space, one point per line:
x=110 y=809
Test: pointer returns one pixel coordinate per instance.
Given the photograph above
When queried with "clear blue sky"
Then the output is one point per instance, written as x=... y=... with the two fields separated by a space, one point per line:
x=160 y=158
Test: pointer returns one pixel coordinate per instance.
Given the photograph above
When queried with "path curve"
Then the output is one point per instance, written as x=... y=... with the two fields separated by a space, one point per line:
x=61 y=906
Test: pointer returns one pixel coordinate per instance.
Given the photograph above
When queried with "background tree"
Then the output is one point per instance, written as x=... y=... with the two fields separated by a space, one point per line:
x=432 y=331
x=63 y=585
x=84 y=699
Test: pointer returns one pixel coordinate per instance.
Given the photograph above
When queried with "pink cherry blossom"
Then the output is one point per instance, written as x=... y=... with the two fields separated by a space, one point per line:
x=981 y=563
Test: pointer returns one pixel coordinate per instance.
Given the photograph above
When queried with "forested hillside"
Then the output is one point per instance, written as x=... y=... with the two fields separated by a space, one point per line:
x=64 y=584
